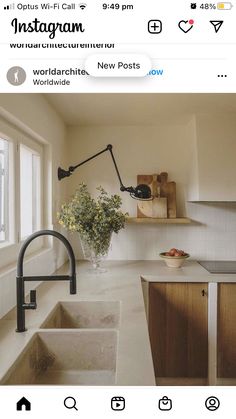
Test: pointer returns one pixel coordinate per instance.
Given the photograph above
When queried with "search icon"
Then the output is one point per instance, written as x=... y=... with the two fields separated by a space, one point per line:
x=70 y=403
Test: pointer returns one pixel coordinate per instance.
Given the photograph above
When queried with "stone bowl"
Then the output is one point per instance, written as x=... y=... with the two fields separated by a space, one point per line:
x=174 y=261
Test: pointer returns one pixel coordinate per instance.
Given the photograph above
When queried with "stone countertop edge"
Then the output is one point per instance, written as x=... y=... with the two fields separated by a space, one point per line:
x=191 y=271
x=121 y=282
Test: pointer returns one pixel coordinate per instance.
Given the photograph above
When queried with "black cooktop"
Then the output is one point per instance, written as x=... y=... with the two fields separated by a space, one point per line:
x=219 y=266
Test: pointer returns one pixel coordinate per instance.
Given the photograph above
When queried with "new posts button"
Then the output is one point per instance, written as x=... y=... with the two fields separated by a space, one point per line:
x=118 y=65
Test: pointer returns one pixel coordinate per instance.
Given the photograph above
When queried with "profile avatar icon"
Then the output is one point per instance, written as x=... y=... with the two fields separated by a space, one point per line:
x=16 y=76
x=212 y=403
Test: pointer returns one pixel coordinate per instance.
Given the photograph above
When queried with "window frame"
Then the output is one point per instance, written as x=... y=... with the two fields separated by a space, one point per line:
x=9 y=249
x=38 y=150
x=9 y=182
x=6 y=191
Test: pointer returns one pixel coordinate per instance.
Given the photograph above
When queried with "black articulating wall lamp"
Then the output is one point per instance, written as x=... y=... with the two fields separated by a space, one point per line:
x=141 y=192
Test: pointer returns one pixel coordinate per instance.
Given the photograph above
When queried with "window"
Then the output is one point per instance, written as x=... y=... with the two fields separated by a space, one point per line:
x=30 y=194
x=21 y=161
x=4 y=188
x=21 y=192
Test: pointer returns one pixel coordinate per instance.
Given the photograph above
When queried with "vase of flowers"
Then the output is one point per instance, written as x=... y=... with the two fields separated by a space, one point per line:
x=94 y=255
x=95 y=219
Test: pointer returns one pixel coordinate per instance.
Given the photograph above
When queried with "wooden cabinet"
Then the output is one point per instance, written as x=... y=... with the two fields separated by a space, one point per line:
x=226 y=336
x=178 y=327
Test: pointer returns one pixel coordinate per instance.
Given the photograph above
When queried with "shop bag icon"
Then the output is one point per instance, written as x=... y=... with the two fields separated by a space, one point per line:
x=165 y=403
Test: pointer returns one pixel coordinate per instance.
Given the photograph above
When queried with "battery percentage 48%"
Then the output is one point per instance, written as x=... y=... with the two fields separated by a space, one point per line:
x=208 y=6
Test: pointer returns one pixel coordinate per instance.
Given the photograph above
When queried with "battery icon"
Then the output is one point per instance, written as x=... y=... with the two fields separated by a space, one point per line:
x=224 y=6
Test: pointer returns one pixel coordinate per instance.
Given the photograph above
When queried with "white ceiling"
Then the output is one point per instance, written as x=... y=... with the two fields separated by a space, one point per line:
x=136 y=109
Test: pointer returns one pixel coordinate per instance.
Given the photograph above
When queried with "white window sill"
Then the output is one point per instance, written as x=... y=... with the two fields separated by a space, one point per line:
x=12 y=267
x=5 y=244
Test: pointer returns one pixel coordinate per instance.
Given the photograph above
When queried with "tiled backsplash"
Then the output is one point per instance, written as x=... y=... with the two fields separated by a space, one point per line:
x=212 y=235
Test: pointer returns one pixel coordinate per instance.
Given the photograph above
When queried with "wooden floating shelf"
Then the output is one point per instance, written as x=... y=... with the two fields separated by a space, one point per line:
x=135 y=220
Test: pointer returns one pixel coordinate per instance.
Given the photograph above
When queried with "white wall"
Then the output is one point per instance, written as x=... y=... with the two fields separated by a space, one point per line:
x=213 y=168
x=138 y=150
x=31 y=114
x=151 y=149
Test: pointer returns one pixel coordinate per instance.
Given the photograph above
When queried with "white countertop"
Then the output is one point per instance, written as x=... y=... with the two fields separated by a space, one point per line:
x=121 y=283
x=190 y=272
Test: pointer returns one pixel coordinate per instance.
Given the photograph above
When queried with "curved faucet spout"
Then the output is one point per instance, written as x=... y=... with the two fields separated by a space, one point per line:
x=20 y=278
x=46 y=233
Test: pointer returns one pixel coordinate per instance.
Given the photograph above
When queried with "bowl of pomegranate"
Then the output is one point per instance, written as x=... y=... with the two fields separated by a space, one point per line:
x=174 y=258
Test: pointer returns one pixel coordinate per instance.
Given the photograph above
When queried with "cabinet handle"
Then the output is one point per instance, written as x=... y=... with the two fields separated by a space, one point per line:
x=203 y=293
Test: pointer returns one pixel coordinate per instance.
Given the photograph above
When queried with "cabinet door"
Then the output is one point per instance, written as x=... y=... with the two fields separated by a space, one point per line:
x=226 y=348
x=178 y=327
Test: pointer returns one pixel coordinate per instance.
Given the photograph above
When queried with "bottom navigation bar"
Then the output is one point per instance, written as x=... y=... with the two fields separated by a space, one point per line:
x=109 y=402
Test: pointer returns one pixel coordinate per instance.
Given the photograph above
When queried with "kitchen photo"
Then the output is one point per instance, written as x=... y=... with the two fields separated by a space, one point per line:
x=118 y=239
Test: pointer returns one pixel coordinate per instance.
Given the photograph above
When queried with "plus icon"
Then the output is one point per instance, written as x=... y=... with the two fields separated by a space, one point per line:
x=155 y=26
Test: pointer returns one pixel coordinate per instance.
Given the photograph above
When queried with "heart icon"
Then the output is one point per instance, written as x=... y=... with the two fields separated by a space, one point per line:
x=186 y=25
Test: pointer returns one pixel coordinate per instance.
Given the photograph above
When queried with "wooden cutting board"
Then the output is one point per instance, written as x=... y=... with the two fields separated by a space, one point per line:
x=144 y=208
x=168 y=190
x=157 y=208
x=165 y=198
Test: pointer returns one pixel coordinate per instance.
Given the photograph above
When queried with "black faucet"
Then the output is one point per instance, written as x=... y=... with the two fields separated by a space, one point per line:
x=20 y=278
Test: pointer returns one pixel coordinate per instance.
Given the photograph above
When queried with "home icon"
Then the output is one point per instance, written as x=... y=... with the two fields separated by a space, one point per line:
x=23 y=403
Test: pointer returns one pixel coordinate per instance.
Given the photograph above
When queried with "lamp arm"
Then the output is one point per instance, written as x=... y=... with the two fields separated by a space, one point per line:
x=65 y=173
x=72 y=168
x=61 y=173
x=122 y=187
x=142 y=192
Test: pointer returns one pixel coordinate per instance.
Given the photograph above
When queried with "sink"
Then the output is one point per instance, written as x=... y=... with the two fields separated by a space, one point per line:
x=82 y=357
x=84 y=315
